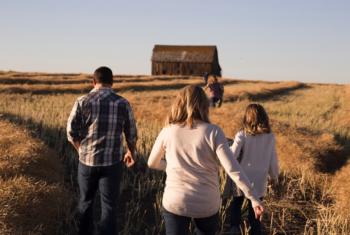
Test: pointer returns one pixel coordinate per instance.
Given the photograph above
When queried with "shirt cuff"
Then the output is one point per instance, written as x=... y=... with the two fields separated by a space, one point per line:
x=256 y=202
x=73 y=139
x=131 y=140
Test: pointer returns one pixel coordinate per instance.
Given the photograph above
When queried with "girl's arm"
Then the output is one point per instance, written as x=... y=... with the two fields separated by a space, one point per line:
x=234 y=170
x=155 y=160
x=206 y=86
x=237 y=143
x=273 y=169
x=221 y=87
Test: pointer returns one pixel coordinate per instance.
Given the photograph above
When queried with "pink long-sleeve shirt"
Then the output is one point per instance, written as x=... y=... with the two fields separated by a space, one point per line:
x=192 y=183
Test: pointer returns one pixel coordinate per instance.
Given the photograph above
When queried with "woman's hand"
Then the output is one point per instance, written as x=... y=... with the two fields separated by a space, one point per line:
x=259 y=212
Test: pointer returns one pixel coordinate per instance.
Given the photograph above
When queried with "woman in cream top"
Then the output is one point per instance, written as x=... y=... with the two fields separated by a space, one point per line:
x=191 y=146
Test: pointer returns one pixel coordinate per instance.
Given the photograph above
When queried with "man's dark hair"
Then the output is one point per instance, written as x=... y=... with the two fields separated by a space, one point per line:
x=103 y=75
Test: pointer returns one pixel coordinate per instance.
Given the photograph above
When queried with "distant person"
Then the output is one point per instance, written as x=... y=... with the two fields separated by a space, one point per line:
x=95 y=127
x=192 y=146
x=258 y=160
x=215 y=88
x=206 y=75
x=221 y=99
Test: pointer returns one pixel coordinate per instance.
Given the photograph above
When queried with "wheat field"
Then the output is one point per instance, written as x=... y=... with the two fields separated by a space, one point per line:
x=311 y=123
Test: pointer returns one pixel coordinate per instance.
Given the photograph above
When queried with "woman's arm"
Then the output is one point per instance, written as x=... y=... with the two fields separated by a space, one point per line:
x=155 y=160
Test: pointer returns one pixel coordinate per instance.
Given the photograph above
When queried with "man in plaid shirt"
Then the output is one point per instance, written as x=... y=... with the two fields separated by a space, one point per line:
x=95 y=127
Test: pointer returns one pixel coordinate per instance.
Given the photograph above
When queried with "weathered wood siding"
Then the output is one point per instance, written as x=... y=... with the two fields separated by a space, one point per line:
x=180 y=68
x=185 y=60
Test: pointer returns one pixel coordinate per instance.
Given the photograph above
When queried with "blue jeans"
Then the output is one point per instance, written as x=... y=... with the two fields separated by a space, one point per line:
x=107 y=180
x=235 y=217
x=213 y=100
x=179 y=225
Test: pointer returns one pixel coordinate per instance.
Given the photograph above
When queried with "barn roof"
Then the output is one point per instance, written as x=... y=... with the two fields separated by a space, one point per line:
x=199 y=54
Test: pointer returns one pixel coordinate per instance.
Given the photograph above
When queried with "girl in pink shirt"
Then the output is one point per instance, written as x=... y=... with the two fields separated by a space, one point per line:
x=215 y=88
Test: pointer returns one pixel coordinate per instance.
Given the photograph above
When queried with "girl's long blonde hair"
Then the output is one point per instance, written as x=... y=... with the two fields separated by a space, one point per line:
x=189 y=105
x=213 y=79
x=255 y=120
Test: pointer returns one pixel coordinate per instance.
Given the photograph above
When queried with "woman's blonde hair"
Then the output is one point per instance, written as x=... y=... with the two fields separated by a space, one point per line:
x=213 y=79
x=189 y=105
x=255 y=120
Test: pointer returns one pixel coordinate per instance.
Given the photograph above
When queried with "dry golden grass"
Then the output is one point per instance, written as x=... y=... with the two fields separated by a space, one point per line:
x=347 y=91
x=86 y=87
x=62 y=78
x=315 y=108
x=57 y=78
x=342 y=190
x=341 y=180
x=310 y=137
x=345 y=120
x=32 y=197
x=259 y=92
x=316 y=150
x=155 y=105
x=71 y=78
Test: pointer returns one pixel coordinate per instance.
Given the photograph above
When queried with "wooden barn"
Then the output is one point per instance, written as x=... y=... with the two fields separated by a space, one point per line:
x=185 y=60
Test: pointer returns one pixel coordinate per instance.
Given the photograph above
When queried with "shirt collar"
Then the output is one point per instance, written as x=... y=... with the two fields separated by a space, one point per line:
x=101 y=89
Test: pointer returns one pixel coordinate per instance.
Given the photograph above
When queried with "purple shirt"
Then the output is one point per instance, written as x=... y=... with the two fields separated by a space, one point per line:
x=214 y=90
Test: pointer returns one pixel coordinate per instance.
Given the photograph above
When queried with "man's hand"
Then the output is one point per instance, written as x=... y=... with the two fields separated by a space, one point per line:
x=273 y=183
x=129 y=158
x=76 y=145
x=259 y=212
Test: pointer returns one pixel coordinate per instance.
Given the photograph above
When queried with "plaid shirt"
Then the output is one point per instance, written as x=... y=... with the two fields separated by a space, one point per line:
x=98 y=120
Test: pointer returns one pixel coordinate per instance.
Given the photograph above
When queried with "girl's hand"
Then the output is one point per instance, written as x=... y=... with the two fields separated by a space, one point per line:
x=273 y=183
x=259 y=212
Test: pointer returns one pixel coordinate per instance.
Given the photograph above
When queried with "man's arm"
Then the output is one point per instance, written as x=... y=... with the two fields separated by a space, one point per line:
x=129 y=157
x=130 y=132
x=76 y=144
x=74 y=126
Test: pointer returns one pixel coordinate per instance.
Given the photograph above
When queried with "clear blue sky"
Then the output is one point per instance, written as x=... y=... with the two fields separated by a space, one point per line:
x=274 y=40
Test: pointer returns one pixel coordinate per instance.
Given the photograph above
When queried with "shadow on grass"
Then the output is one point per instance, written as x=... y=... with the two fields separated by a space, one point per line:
x=56 y=139
x=32 y=185
x=320 y=149
x=264 y=94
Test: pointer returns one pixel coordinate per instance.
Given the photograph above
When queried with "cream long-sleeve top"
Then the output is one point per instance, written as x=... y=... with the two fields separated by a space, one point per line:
x=192 y=183
x=259 y=158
